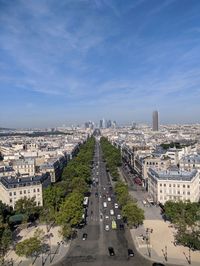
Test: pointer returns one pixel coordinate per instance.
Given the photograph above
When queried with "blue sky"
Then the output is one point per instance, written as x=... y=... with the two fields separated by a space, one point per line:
x=69 y=61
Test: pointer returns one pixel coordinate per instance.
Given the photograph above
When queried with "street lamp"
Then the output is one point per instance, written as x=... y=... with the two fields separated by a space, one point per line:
x=148 y=232
x=189 y=258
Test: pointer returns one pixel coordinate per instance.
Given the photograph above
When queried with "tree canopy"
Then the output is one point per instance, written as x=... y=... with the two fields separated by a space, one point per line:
x=186 y=217
x=112 y=156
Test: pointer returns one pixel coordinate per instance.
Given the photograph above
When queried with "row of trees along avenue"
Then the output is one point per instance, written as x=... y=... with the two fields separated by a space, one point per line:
x=131 y=213
x=62 y=205
x=186 y=217
x=112 y=157
x=63 y=202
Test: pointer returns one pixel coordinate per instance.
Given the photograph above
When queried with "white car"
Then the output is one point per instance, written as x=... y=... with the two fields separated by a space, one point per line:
x=107 y=227
x=105 y=204
x=109 y=199
x=116 y=206
x=119 y=216
x=111 y=212
x=106 y=217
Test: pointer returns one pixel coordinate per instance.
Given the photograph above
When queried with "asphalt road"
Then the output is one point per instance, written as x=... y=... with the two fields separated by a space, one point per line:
x=94 y=250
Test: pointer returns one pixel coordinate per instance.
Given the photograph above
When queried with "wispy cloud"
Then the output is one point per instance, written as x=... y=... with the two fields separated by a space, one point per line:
x=100 y=54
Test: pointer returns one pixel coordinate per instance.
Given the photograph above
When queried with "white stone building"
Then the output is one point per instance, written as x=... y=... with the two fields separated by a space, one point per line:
x=13 y=189
x=173 y=185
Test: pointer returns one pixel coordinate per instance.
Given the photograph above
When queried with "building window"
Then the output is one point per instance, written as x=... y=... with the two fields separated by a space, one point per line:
x=164 y=185
x=20 y=192
x=10 y=200
x=178 y=185
x=160 y=185
x=188 y=186
x=24 y=191
x=188 y=192
x=178 y=192
x=183 y=192
x=34 y=190
x=161 y=191
x=170 y=185
x=14 y=193
x=183 y=186
x=10 y=193
x=38 y=190
x=28 y=191
x=174 y=185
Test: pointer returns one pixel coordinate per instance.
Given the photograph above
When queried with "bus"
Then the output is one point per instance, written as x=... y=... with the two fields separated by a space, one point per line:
x=114 y=225
x=85 y=201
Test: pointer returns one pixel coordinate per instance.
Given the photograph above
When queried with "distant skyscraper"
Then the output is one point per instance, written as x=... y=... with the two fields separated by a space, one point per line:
x=101 y=124
x=155 y=121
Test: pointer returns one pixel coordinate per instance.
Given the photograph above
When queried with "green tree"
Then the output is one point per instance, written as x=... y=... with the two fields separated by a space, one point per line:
x=66 y=231
x=71 y=210
x=29 y=247
x=133 y=214
x=79 y=185
x=26 y=206
x=186 y=217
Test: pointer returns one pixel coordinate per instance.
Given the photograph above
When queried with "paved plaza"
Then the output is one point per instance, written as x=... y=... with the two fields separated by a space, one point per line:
x=160 y=246
x=56 y=247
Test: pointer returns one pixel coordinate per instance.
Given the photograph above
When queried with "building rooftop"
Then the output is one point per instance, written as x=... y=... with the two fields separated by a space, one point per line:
x=173 y=174
x=12 y=182
x=193 y=158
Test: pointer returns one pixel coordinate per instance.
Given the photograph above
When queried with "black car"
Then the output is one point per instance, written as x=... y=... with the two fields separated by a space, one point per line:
x=130 y=252
x=111 y=251
x=84 y=236
x=121 y=227
x=96 y=194
x=158 y=264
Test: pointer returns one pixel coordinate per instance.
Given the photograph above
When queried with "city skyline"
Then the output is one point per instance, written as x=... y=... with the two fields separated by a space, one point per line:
x=68 y=62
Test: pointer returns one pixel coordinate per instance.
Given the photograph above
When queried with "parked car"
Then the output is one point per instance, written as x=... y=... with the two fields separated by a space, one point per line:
x=130 y=252
x=119 y=216
x=84 y=236
x=138 y=181
x=109 y=199
x=116 y=206
x=107 y=227
x=111 y=251
x=121 y=227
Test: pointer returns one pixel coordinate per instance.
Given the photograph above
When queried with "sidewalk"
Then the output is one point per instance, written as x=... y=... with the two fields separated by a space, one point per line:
x=57 y=248
x=160 y=247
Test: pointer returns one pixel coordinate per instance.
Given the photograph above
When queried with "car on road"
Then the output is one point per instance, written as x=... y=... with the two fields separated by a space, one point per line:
x=105 y=204
x=119 y=216
x=130 y=252
x=106 y=217
x=111 y=212
x=111 y=251
x=107 y=227
x=121 y=227
x=138 y=181
x=116 y=206
x=109 y=199
x=84 y=236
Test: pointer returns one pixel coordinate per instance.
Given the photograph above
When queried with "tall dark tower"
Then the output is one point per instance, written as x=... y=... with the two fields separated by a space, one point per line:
x=155 y=121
